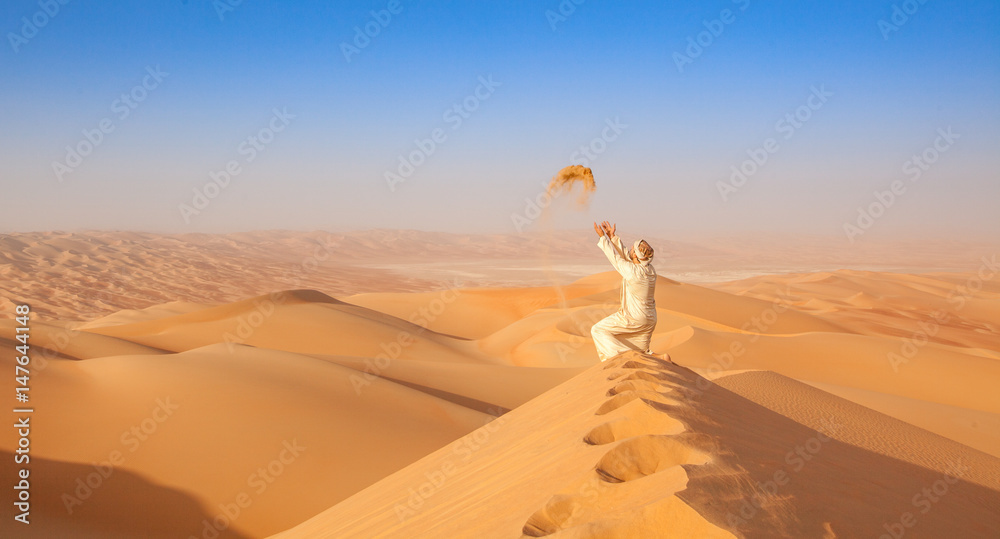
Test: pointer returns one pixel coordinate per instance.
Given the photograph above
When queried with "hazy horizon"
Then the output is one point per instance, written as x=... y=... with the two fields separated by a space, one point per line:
x=981 y=237
x=666 y=119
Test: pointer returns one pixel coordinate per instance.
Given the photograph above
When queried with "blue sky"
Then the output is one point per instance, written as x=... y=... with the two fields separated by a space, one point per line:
x=561 y=72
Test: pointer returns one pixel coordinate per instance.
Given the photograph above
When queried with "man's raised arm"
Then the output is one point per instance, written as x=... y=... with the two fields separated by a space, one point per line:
x=611 y=244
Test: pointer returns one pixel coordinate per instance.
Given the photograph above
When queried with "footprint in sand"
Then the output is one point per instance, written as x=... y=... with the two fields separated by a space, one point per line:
x=645 y=455
x=549 y=519
x=642 y=375
x=637 y=418
x=622 y=399
x=644 y=445
x=634 y=385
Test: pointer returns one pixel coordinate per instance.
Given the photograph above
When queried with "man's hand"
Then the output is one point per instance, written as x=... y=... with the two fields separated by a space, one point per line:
x=599 y=230
x=609 y=229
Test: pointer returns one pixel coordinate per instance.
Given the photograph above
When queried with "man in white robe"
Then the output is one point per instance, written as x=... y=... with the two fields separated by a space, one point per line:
x=632 y=326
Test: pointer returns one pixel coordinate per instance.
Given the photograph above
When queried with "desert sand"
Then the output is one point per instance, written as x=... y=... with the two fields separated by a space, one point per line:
x=312 y=385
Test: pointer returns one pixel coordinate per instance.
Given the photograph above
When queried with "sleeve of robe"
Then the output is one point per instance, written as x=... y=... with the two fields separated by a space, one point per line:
x=624 y=266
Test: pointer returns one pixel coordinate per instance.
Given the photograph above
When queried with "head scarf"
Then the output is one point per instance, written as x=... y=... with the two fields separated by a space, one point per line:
x=638 y=255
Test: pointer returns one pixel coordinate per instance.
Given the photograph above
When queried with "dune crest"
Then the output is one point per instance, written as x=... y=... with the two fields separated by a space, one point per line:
x=405 y=409
x=639 y=447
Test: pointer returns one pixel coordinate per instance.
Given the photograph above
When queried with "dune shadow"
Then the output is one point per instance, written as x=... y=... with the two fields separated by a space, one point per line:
x=774 y=477
x=122 y=505
x=474 y=404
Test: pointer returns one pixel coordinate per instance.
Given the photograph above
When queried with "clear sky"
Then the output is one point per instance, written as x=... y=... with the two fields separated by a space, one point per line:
x=666 y=118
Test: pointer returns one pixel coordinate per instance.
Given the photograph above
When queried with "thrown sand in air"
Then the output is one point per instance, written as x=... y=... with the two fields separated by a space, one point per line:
x=564 y=181
x=568 y=177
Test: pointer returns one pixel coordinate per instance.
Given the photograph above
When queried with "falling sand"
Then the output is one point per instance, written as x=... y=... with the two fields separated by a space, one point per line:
x=563 y=182
x=568 y=177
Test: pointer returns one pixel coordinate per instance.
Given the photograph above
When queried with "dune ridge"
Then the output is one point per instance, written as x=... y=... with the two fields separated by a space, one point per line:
x=642 y=448
x=83 y=275
x=372 y=384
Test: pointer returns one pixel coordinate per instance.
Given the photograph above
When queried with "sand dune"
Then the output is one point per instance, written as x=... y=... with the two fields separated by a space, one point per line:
x=311 y=370
x=641 y=448
x=89 y=274
x=206 y=421
x=866 y=429
x=296 y=321
x=925 y=354
x=375 y=402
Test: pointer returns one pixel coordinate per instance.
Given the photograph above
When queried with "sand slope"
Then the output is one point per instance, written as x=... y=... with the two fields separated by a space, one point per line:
x=641 y=448
x=203 y=422
x=311 y=402
x=194 y=401
x=922 y=348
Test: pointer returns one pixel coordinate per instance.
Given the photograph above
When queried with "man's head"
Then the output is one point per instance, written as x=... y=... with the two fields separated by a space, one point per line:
x=641 y=252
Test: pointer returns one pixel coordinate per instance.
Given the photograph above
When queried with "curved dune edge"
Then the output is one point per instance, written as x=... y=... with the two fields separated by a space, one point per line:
x=638 y=447
x=589 y=458
x=313 y=368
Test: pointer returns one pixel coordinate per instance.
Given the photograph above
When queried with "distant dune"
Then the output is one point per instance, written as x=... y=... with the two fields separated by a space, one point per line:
x=85 y=275
x=229 y=387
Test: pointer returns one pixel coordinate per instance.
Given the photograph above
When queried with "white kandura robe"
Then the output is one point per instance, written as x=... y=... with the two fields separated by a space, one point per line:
x=632 y=326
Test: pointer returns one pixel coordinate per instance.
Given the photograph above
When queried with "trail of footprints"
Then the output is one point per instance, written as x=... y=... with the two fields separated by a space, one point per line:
x=644 y=446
